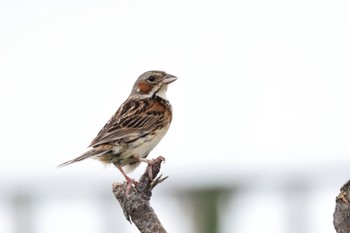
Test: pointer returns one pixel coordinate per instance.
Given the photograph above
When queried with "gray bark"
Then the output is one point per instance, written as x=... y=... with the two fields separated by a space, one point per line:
x=136 y=205
x=341 y=216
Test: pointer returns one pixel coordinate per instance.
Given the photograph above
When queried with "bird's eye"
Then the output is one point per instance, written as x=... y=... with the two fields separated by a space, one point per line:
x=151 y=79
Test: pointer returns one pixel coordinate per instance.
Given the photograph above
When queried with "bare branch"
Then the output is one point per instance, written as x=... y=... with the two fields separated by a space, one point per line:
x=341 y=216
x=136 y=206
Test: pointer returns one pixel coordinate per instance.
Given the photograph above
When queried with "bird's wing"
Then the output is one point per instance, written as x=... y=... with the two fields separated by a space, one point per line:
x=135 y=118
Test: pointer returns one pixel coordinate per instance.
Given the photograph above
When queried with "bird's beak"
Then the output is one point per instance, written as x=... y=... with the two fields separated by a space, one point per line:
x=168 y=78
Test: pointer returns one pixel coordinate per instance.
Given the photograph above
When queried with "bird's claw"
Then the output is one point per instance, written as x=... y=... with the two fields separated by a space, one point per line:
x=129 y=182
x=151 y=163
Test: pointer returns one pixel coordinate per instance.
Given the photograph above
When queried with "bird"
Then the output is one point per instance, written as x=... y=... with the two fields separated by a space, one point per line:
x=136 y=127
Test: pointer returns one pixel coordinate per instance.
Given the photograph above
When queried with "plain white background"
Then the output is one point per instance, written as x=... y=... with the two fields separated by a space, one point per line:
x=262 y=90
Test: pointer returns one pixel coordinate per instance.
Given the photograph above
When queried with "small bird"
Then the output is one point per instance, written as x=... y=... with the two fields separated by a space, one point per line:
x=136 y=128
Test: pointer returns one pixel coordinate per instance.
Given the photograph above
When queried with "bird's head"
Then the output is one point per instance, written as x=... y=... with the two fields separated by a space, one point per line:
x=152 y=83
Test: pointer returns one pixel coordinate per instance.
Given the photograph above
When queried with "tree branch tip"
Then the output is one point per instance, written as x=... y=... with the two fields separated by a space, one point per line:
x=135 y=200
x=158 y=180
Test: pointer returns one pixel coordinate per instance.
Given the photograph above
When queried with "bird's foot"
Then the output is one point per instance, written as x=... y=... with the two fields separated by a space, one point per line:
x=150 y=163
x=129 y=182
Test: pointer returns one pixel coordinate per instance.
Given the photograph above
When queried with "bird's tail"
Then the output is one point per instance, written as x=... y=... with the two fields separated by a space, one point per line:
x=86 y=155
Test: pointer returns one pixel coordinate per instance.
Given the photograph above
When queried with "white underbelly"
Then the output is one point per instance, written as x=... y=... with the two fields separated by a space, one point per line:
x=143 y=146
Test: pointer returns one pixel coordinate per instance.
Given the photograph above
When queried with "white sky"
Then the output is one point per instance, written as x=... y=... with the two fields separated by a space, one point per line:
x=258 y=82
x=263 y=85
